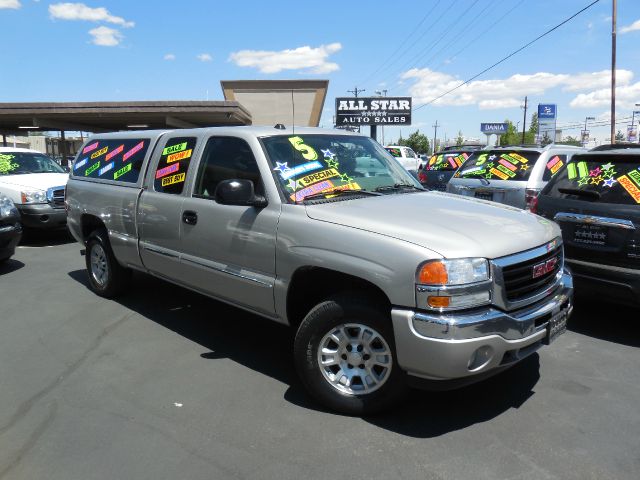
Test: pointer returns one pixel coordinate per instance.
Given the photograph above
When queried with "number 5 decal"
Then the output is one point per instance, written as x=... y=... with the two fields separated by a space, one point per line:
x=307 y=152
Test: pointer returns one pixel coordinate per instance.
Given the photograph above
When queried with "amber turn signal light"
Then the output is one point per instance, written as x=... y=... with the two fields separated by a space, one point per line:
x=439 y=302
x=433 y=273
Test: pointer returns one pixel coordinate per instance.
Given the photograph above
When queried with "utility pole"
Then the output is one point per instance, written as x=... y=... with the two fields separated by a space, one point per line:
x=524 y=119
x=613 y=70
x=356 y=91
x=435 y=135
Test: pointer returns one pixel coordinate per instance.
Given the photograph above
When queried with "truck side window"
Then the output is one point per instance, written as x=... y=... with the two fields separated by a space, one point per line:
x=173 y=165
x=225 y=158
x=112 y=159
x=553 y=166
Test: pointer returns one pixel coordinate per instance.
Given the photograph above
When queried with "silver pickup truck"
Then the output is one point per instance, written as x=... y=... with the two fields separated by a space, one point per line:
x=385 y=284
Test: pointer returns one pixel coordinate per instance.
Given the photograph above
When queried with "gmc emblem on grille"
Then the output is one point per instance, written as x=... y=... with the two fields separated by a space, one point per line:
x=545 y=267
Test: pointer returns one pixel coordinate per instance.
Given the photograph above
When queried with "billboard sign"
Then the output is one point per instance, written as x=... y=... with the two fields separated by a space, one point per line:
x=584 y=135
x=547 y=110
x=632 y=133
x=373 y=111
x=494 y=128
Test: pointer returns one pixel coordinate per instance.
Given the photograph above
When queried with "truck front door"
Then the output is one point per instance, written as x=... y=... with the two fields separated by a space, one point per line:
x=229 y=251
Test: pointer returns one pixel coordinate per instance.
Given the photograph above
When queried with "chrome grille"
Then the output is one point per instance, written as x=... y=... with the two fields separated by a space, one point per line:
x=55 y=196
x=520 y=280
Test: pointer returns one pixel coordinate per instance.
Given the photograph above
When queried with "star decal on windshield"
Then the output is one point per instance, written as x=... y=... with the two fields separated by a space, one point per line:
x=293 y=184
x=524 y=167
x=282 y=167
x=596 y=180
x=344 y=178
x=610 y=182
x=332 y=163
x=607 y=166
x=328 y=153
x=583 y=181
x=595 y=172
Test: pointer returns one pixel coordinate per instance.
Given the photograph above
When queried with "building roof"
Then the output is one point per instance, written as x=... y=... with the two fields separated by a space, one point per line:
x=289 y=102
x=110 y=116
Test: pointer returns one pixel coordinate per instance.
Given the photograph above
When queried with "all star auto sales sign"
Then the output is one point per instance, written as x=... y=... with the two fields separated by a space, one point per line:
x=373 y=111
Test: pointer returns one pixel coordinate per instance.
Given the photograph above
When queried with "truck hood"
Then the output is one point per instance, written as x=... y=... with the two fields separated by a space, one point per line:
x=39 y=181
x=450 y=225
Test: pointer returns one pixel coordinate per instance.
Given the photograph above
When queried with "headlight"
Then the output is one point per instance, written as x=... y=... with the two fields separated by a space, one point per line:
x=453 y=284
x=7 y=208
x=459 y=271
x=33 y=196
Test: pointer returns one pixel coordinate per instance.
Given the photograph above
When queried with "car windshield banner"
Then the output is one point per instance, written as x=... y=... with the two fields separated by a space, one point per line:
x=373 y=111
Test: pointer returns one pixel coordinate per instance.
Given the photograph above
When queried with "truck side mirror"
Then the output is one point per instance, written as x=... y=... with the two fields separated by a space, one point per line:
x=238 y=192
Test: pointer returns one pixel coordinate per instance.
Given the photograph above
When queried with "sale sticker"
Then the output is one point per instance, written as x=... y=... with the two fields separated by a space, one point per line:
x=115 y=152
x=123 y=170
x=315 y=188
x=105 y=169
x=92 y=168
x=174 y=148
x=173 y=179
x=174 y=157
x=163 y=172
x=102 y=151
x=498 y=173
x=133 y=151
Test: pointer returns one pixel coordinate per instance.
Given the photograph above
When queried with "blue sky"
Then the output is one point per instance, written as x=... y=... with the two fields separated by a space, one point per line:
x=107 y=50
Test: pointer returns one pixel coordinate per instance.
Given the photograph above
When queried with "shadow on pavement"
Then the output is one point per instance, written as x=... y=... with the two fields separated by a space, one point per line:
x=266 y=347
x=610 y=322
x=10 y=265
x=45 y=238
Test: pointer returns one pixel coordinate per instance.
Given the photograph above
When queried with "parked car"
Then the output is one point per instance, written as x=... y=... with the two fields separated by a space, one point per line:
x=316 y=229
x=596 y=201
x=10 y=228
x=511 y=175
x=406 y=156
x=35 y=183
x=436 y=173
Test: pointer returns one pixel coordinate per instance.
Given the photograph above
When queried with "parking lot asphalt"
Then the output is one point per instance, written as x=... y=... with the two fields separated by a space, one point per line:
x=165 y=384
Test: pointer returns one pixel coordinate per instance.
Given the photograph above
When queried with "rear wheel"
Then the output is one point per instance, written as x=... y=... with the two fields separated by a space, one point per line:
x=345 y=355
x=107 y=277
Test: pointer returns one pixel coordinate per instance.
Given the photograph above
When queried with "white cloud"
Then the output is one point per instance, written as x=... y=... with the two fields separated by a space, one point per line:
x=302 y=58
x=204 y=57
x=79 y=11
x=502 y=93
x=626 y=97
x=169 y=56
x=105 y=36
x=15 y=4
x=631 y=28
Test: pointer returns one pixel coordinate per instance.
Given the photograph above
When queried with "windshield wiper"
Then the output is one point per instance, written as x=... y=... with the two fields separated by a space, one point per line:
x=338 y=192
x=397 y=186
x=580 y=193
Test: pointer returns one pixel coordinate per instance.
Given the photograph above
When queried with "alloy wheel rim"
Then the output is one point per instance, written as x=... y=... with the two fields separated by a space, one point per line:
x=355 y=359
x=99 y=267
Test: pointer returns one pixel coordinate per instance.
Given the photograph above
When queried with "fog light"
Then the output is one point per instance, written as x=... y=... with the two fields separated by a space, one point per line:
x=480 y=357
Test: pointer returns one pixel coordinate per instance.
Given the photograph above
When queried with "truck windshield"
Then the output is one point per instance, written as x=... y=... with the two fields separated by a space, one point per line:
x=16 y=163
x=595 y=178
x=447 y=161
x=499 y=165
x=306 y=165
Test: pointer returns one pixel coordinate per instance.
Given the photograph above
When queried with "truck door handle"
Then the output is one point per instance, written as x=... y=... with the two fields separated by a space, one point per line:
x=189 y=217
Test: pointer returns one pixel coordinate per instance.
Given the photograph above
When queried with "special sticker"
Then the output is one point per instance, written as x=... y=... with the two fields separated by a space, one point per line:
x=173 y=179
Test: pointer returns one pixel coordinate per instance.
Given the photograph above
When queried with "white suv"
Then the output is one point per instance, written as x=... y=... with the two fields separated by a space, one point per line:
x=35 y=183
x=407 y=157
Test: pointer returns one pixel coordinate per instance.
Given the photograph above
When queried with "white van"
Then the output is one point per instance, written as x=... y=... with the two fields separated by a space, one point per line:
x=35 y=183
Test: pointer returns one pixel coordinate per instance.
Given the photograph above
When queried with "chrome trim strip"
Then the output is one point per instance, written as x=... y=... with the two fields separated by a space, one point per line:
x=226 y=271
x=599 y=266
x=8 y=228
x=163 y=252
x=594 y=220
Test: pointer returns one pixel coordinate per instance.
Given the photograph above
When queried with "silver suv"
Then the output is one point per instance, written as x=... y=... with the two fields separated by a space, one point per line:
x=511 y=175
x=316 y=229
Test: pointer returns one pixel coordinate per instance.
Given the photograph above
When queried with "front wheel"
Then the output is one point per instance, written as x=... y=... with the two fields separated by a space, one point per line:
x=345 y=355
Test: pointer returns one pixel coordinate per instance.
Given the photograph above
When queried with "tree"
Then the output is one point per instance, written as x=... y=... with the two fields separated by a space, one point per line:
x=418 y=142
x=514 y=137
x=619 y=136
x=569 y=140
x=459 y=139
x=533 y=125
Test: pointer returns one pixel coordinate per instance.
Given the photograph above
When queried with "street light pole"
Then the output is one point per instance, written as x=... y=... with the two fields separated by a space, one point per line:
x=585 y=124
x=614 y=16
x=524 y=120
x=381 y=92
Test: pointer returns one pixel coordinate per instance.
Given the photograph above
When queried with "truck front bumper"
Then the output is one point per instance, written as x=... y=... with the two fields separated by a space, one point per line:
x=42 y=215
x=446 y=346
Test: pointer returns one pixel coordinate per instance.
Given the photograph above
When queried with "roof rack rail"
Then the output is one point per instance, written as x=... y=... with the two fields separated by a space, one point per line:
x=614 y=146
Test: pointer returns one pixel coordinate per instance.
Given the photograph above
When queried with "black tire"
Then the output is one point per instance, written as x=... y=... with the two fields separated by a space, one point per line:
x=117 y=277
x=347 y=310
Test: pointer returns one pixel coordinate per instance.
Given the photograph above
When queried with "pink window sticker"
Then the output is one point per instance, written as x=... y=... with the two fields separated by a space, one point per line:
x=311 y=189
x=91 y=147
x=115 y=152
x=552 y=162
x=134 y=150
x=167 y=170
x=513 y=168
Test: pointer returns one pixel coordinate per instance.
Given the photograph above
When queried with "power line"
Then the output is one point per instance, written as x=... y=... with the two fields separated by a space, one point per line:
x=508 y=56
x=427 y=30
x=386 y=62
